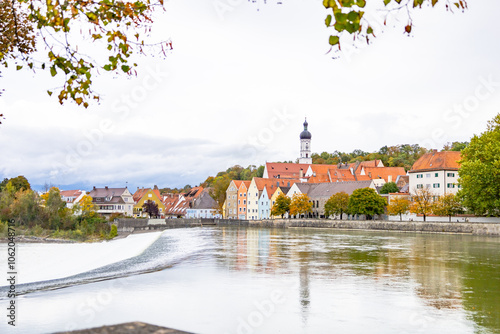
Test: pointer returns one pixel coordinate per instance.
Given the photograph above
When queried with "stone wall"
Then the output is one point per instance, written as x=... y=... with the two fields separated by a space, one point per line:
x=132 y=225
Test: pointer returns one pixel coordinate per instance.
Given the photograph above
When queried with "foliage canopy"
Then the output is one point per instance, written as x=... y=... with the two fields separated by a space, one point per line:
x=281 y=206
x=366 y=201
x=480 y=172
x=337 y=204
x=300 y=204
x=58 y=27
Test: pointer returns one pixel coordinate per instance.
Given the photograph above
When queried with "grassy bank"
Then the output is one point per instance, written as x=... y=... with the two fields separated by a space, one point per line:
x=72 y=235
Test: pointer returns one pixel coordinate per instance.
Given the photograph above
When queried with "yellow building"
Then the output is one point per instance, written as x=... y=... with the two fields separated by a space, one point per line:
x=277 y=192
x=144 y=194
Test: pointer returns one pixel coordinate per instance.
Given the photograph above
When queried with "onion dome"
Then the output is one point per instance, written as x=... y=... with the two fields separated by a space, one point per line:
x=305 y=134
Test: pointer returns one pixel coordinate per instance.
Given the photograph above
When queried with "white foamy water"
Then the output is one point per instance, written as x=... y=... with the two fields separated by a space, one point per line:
x=39 y=262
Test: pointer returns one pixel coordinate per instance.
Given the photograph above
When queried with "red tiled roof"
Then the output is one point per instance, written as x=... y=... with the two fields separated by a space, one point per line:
x=285 y=170
x=384 y=173
x=70 y=193
x=272 y=184
x=139 y=194
x=447 y=160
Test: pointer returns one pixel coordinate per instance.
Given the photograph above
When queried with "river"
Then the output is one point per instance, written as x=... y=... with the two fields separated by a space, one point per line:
x=239 y=280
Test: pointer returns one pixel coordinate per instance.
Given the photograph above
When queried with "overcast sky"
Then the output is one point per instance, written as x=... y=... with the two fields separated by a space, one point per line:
x=236 y=88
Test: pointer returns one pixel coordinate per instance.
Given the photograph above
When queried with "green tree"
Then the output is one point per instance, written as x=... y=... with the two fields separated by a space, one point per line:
x=300 y=204
x=26 y=209
x=20 y=183
x=447 y=205
x=399 y=206
x=337 y=204
x=480 y=172
x=218 y=190
x=55 y=207
x=389 y=187
x=281 y=206
x=3 y=183
x=119 y=28
x=366 y=201
x=455 y=146
x=422 y=202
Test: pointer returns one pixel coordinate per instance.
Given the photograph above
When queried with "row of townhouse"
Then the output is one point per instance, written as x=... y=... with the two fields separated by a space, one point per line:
x=254 y=199
x=196 y=203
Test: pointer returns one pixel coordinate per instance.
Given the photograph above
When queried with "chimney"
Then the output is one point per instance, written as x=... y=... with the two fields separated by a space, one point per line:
x=301 y=173
x=106 y=187
x=155 y=187
x=389 y=178
x=94 y=187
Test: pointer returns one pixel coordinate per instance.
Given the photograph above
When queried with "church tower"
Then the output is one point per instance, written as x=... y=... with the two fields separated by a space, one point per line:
x=305 y=146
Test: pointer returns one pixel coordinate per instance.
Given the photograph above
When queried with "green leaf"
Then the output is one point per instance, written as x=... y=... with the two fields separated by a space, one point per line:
x=386 y=2
x=328 y=20
x=334 y=40
x=434 y=2
x=340 y=17
x=353 y=16
x=53 y=71
x=369 y=30
x=18 y=67
x=49 y=92
x=125 y=68
x=362 y=3
x=339 y=26
x=107 y=67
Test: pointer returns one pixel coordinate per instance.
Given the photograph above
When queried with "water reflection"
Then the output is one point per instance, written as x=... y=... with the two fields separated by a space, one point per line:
x=446 y=272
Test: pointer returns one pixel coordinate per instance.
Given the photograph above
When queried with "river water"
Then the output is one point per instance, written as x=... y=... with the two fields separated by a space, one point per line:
x=238 y=280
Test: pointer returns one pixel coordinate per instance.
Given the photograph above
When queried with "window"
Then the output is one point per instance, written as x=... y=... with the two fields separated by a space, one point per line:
x=244 y=209
x=427 y=186
x=450 y=174
x=436 y=185
x=419 y=176
x=150 y=195
x=428 y=175
x=420 y=186
x=244 y=194
x=450 y=185
x=241 y=194
x=239 y=202
x=436 y=174
x=228 y=203
x=257 y=202
x=244 y=201
x=240 y=209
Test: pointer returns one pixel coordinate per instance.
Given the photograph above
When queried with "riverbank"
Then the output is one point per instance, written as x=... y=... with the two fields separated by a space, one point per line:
x=473 y=228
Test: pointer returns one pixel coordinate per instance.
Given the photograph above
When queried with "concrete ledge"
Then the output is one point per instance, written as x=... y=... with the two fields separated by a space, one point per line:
x=492 y=229
x=128 y=328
